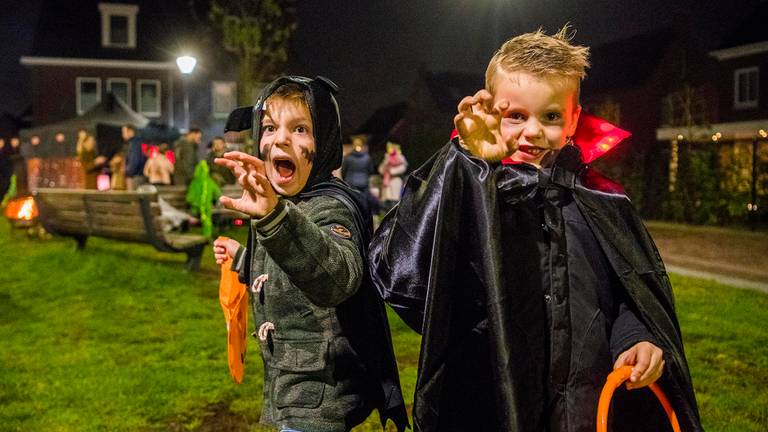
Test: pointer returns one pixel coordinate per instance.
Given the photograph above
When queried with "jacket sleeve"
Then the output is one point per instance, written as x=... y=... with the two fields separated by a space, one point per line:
x=627 y=331
x=317 y=252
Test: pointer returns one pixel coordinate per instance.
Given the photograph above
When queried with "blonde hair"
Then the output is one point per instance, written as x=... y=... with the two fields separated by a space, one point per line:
x=289 y=91
x=542 y=56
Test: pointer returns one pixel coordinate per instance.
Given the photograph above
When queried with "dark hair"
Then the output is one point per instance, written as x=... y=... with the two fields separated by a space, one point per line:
x=195 y=130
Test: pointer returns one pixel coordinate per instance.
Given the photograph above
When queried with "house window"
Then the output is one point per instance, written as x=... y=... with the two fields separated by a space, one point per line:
x=88 y=91
x=745 y=87
x=118 y=25
x=224 y=97
x=120 y=87
x=148 y=97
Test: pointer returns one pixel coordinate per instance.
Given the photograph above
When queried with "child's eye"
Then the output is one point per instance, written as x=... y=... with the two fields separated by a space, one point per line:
x=516 y=117
x=301 y=129
x=553 y=116
x=268 y=128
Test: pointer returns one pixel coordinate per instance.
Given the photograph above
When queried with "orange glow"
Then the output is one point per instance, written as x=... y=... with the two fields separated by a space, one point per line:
x=21 y=209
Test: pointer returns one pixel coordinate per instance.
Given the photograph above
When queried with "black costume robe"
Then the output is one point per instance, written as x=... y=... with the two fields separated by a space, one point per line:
x=472 y=286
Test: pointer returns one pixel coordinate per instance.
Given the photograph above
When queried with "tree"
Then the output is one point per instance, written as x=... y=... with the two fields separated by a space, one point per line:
x=257 y=33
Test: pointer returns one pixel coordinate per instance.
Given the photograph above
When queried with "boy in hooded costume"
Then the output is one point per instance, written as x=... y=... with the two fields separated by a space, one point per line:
x=325 y=342
x=531 y=279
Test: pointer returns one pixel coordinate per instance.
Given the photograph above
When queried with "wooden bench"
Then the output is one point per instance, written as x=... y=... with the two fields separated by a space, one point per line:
x=121 y=215
x=222 y=217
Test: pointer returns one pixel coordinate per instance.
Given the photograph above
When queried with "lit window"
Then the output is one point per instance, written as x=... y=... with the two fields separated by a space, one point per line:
x=118 y=25
x=745 y=87
x=148 y=97
x=224 y=97
x=88 y=91
x=120 y=87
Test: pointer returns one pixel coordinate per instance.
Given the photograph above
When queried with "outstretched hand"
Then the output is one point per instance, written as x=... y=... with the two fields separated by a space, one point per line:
x=479 y=125
x=648 y=362
x=259 y=197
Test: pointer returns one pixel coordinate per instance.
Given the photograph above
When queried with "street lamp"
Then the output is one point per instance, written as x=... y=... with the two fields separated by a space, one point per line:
x=186 y=65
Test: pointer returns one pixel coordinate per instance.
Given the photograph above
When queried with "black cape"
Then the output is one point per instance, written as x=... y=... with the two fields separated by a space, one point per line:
x=442 y=243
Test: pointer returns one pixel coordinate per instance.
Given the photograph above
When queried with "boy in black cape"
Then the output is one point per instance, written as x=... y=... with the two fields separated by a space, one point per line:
x=532 y=279
x=325 y=342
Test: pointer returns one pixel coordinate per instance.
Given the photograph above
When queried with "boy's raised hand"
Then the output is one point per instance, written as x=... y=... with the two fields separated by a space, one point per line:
x=259 y=198
x=648 y=362
x=479 y=125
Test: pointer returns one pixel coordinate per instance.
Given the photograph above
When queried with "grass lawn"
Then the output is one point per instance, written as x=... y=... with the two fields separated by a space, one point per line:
x=119 y=338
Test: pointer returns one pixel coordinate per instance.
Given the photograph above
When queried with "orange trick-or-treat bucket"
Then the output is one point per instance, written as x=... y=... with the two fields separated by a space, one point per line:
x=614 y=380
x=234 y=303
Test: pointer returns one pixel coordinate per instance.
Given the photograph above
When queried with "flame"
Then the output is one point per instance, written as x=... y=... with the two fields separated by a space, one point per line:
x=21 y=209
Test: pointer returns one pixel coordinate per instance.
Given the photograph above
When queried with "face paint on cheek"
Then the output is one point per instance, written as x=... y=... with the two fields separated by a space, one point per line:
x=266 y=152
x=309 y=155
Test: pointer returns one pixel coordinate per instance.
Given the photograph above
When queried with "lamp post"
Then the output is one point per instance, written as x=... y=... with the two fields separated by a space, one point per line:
x=186 y=65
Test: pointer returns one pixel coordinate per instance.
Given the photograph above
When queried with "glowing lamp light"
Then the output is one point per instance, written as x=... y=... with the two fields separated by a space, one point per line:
x=102 y=182
x=680 y=137
x=596 y=137
x=59 y=138
x=239 y=222
x=186 y=64
x=763 y=133
x=35 y=140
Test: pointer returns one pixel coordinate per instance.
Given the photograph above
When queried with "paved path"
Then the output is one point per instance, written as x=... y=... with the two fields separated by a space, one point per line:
x=719 y=278
x=729 y=256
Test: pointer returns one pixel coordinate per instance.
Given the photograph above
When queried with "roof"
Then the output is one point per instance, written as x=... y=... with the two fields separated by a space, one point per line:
x=448 y=88
x=72 y=29
x=627 y=63
x=383 y=119
x=111 y=112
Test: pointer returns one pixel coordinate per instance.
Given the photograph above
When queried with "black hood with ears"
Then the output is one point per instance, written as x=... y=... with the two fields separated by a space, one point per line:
x=326 y=123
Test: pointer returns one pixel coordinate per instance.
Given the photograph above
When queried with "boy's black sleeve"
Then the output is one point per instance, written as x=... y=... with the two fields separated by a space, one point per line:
x=627 y=331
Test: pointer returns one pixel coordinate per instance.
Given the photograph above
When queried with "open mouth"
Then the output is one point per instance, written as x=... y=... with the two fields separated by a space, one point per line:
x=284 y=168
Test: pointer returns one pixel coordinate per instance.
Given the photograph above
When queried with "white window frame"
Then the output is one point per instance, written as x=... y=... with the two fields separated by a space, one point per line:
x=216 y=114
x=109 y=10
x=139 y=107
x=744 y=73
x=127 y=82
x=78 y=98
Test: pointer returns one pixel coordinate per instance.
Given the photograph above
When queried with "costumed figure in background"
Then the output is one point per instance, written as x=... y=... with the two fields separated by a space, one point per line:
x=529 y=275
x=392 y=168
x=220 y=174
x=134 y=158
x=202 y=195
x=325 y=341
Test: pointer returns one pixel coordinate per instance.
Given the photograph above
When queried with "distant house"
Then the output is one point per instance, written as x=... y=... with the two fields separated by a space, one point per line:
x=731 y=146
x=83 y=50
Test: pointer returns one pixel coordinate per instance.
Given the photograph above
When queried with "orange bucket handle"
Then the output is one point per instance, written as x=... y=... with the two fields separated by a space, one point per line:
x=614 y=380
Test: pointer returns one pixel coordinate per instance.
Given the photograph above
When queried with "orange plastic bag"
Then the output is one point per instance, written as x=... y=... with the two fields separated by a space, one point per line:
x=234 y=302
x=614 y=380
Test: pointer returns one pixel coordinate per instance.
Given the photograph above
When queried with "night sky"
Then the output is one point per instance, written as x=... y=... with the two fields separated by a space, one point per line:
x=374 y=49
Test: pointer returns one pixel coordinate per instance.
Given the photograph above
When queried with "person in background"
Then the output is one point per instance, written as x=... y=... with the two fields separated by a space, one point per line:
x=356 y=168
x=220 y=174
x=392 y=168
x=158 y=169
x=89 y=162
x=6 y=167
x=185 y=150
x=134 y=158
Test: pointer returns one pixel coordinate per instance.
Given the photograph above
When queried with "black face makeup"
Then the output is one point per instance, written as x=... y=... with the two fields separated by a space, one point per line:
x=308 y=154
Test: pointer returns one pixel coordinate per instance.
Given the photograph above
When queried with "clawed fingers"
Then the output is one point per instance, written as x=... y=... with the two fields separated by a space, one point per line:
x=249 y=161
